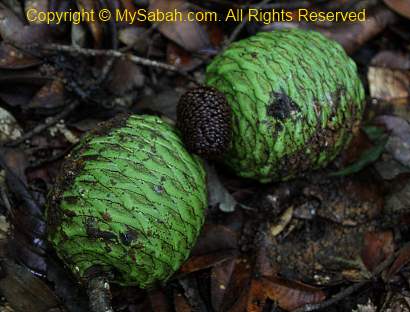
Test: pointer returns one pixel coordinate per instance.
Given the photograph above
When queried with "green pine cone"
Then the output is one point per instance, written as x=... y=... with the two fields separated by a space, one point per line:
x=295 y=97
x=130 y=201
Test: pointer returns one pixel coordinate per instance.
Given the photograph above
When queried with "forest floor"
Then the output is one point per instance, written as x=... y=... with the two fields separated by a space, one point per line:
x=332 y=240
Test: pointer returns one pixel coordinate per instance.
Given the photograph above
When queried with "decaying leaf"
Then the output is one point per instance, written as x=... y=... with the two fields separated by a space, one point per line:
x=284 y=220
x=189 y=35
x=50 y=96
x=13 y=30
x=398 y=144
x=12 y=58
x=290 y=295
x=402 y=259
x=400 y=6
x=377 y=247
x=26 y=292
x=368 y=156
x=392 y=59
x=388 y=84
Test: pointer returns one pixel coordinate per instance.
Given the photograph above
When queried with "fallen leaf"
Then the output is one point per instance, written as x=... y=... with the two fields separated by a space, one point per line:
x=179 y=57
x=290 y=295
x=158 y=301
x=392 y=60
x=181 y=303
x=125 y=77
x=215 y=237
x=13 y=31
x=164 y=102
x=403 y=258
x=388 y=84
x=50 y=96
x=136 y=37
x=202 y=262
x=221 y=274
x=400 y=6
x=284 y=220
x=26 y=292
x=237 y=291
x=12 y=58
x=377 y=247
x=188 y=34
x=398 y=144
x=368 y=156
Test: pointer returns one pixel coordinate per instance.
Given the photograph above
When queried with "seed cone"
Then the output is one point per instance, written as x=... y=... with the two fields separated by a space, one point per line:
x=296 y=98
x=204 y=119
x=130 y=202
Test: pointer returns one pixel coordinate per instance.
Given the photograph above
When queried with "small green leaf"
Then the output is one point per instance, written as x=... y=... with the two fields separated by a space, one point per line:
x=379 y=138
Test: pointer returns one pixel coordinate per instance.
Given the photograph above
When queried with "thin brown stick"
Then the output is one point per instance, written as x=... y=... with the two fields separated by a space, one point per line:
x=47 y=123
x=115 y=54
x=349 y=290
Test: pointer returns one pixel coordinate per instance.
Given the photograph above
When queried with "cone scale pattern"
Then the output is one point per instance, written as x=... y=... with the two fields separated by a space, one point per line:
x=295 y=97
x=130 y=202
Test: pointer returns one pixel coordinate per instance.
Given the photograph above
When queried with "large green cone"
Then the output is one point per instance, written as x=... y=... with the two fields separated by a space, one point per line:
x=295 y=97
x=130 y=201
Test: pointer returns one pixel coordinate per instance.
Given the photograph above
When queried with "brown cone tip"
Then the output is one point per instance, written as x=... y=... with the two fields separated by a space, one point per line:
x=204 y=119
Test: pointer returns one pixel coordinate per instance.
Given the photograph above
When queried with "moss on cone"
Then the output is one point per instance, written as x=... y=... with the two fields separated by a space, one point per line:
x=129 y=203
x=295 y=97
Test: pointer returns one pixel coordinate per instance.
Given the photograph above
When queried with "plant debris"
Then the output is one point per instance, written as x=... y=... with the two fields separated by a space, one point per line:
x=335 y=240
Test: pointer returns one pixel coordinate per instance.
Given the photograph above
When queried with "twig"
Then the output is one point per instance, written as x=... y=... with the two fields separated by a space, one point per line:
x=115 y=54
x=239 y=28
x=47 y=123
x=349 y=290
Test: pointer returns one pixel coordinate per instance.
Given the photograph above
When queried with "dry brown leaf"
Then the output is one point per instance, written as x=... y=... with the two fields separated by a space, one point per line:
x=26 y=292
x=400 y=6
x=220 y=276
x=215 y=238
x=159 y=301
x=353 y=35
x=237 y=292
x=392 y=60
x=14 y=31
x=181 y=303
x=402 y=259
x=51 y=95
x=283 y=221
x=388 y=84
x=189 y=35
x=12 y=58
x=198 y=263
x=398 y=144
x=290 y=295
x=125 y=77
x=377 y=247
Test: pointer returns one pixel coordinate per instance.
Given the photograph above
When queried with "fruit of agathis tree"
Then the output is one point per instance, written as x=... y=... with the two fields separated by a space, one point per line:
x=129 y=203
x=295 y=99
